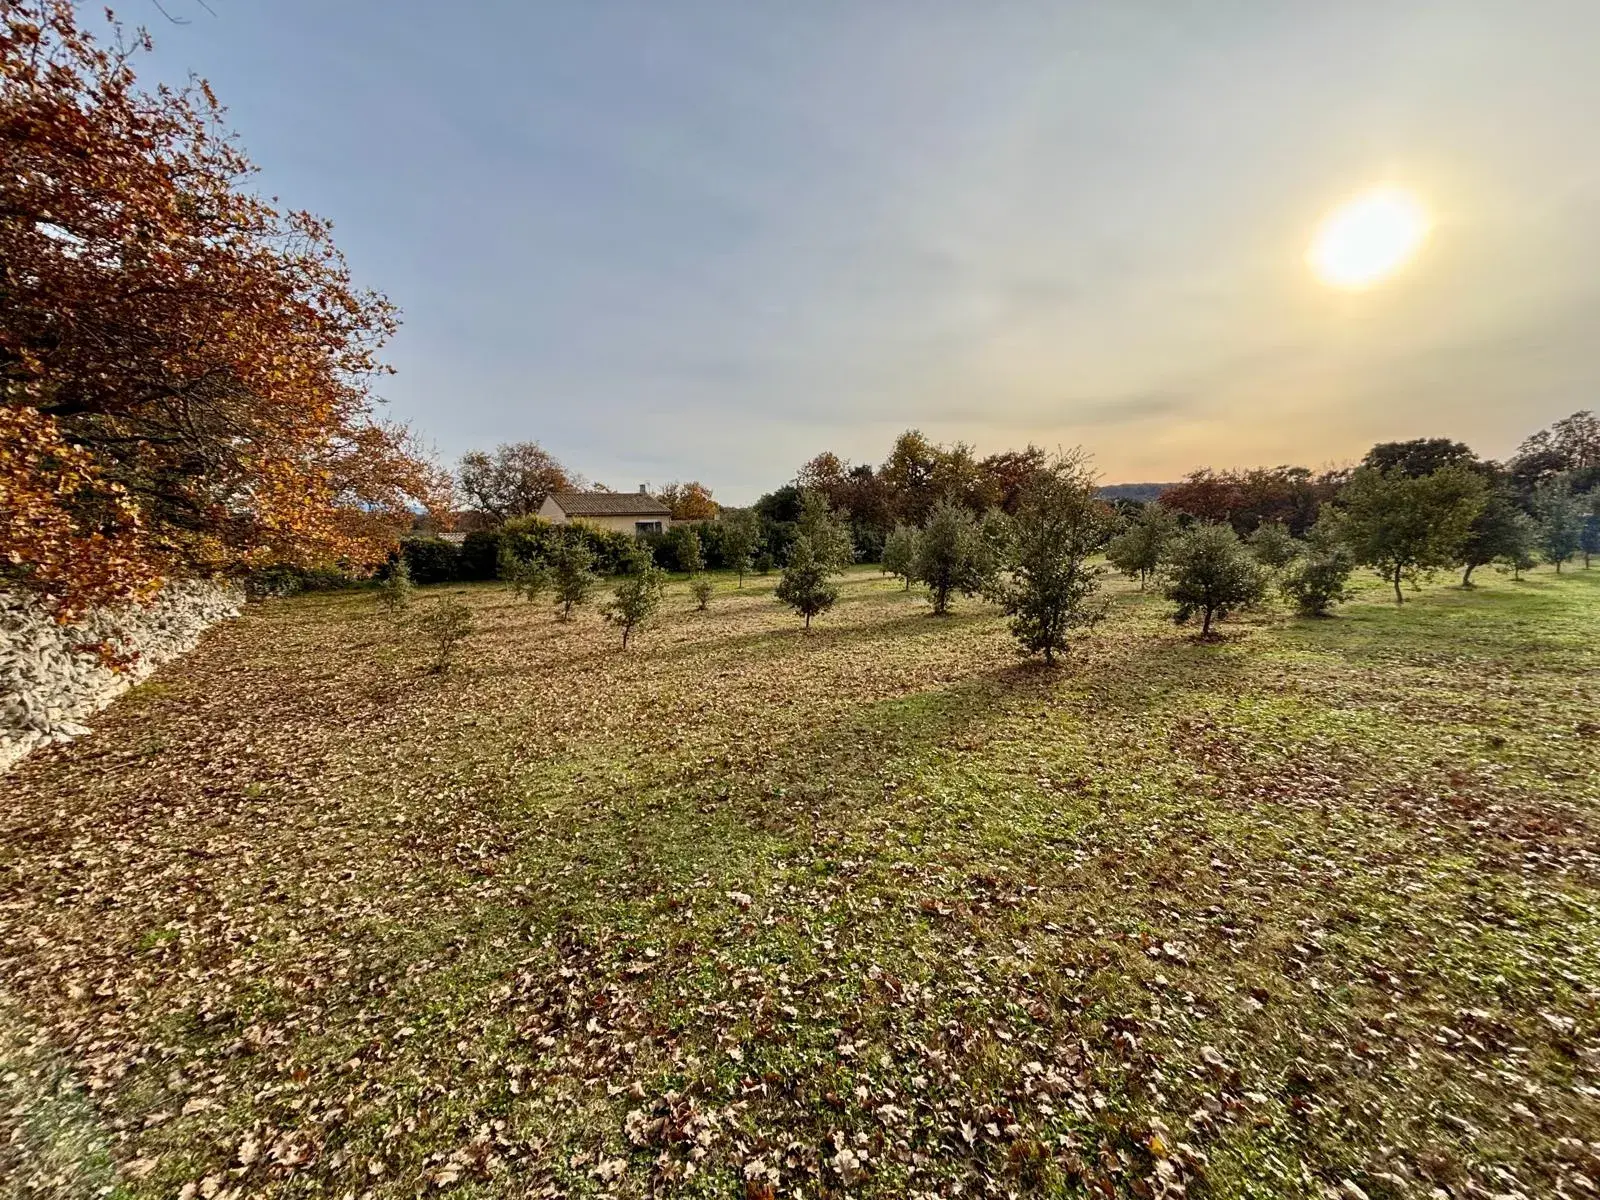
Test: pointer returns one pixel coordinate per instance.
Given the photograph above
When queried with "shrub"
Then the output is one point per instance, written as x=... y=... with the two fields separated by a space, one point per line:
x=447 y=622
x=479 y=556
x=1319 y=578
x=534 y=539
x=431 y=560
x=285 y=580
x=636 y=599
x=394 y=590
x=805 y=586
x=702 y=590
x=1208 y=572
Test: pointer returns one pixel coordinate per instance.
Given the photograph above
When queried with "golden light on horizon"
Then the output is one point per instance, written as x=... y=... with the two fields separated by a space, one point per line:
x=1368 y=238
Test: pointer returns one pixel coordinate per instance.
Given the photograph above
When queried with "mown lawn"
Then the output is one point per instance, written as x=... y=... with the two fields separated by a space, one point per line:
x=879 y=912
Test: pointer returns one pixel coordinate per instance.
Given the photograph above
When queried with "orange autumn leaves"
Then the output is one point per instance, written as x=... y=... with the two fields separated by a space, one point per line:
x=185 y=368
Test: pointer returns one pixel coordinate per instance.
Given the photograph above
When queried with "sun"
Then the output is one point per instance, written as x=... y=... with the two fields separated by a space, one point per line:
x=1368 y=238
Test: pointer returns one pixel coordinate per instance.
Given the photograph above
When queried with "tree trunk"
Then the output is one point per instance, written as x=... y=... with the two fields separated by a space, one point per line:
x=625 y=632
x=1466 y=580
x=1205 y=624
x=808 y=622
x=1398 y=597
x=1049 y=656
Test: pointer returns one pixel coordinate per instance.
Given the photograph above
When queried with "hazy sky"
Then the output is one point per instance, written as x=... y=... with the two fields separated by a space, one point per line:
x=694 y=240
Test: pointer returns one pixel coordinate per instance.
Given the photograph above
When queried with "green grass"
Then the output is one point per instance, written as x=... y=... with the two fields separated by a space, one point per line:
x=878 y=911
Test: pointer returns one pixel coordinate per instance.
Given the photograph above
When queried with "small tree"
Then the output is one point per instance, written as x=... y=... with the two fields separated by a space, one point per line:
x=528 y=578
x=1273 y=546
x=682 y=544
x=702 y=590
x=951 y=556
x=1403 y=526
x=1589 y=542
x=1049 y=587
x=805 y=586
x=395 y=589
x=1139 y=549
x=1498 y=531
x=900 y=553
x=830 y=540
x=1209 y=572
x=1518 y=556
x=1318 y=579
x=573 y=577
x=447 y=621
x=741 y=534
x=637 y=597
x=1561 y=518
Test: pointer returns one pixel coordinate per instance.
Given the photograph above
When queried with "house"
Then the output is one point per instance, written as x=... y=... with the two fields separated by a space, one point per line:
x=625 y=512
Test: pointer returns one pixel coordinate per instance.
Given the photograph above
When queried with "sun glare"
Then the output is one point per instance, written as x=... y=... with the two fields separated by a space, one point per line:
x=1369 y=238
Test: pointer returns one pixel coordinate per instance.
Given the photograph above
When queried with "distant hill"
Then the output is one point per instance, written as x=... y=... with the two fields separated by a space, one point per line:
x=1142 y=492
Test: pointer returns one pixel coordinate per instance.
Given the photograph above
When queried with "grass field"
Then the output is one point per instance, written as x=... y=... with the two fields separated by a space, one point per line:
x=880 y=911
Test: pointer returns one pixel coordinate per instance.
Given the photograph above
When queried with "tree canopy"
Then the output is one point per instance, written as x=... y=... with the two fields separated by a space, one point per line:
x=185 y=367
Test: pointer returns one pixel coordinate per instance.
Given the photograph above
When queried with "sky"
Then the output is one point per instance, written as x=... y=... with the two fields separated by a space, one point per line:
x=709 y=240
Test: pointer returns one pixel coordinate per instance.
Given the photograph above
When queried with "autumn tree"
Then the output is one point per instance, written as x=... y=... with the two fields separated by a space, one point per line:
x=689 y=501
x=185 y=368
x=1049 y=586
x=1403 y=526
x=512 y=481
x=806 y=586
x=1142 y=545
x=741 y=535
x=1209 y=572
x=529 y=577
x=951 y=556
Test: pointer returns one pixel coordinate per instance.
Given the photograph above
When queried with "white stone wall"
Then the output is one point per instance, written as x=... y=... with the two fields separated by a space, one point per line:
x=49 y=687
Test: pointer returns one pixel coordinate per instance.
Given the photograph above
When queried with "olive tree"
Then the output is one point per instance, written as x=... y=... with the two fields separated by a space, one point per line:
x=1049 y=586
x=900 y=553
x=395 y=588
x=1210 y=573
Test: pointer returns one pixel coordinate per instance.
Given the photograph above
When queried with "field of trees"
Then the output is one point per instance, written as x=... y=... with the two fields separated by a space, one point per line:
x=944 y=826
x=878 y=911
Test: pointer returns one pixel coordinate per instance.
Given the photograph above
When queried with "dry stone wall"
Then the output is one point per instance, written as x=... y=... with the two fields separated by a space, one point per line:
x=51 y=680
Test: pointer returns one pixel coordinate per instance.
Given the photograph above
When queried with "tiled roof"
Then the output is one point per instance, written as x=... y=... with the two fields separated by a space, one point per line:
x=610 y=504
